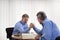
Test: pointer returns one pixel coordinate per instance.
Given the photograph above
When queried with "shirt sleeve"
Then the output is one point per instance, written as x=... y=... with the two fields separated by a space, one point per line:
x=38 y=31
x=21 y=30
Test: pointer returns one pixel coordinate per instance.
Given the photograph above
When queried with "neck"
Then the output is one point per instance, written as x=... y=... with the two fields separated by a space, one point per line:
x=23 y=22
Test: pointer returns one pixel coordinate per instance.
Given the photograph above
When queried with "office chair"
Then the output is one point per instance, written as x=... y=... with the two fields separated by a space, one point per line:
x=58 y=38
x=9 y=32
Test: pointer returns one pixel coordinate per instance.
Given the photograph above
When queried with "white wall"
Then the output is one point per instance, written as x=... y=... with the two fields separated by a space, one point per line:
x=12 y=10
x=4 y=18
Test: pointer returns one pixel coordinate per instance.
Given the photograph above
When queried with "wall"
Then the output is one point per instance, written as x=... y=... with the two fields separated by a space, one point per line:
x=4 y=18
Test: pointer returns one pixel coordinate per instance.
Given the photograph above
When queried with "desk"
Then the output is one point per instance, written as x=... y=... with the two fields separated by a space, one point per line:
x=24 y=36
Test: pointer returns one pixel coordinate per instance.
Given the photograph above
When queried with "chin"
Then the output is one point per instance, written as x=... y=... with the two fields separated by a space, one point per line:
x=25 y=22
x=40 y=23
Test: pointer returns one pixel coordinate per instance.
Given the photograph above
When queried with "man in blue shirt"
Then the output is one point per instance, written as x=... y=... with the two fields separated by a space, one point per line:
x=49 y=31
x=22 y=26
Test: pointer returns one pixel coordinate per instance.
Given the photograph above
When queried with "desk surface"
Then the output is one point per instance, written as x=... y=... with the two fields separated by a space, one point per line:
x=24 y=36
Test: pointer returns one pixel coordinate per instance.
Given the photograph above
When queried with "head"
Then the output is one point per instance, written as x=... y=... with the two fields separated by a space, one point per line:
x=25 y=18
x=41 y=17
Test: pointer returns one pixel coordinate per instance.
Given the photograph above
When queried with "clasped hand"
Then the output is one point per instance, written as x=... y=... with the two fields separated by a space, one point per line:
x=31 y=25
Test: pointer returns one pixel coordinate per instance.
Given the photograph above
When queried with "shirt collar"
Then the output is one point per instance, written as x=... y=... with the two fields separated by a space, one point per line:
x=22 y=22
x=45 y=20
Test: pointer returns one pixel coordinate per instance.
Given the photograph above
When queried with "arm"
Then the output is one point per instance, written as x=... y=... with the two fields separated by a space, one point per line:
x=37 y=30
x=20 y=29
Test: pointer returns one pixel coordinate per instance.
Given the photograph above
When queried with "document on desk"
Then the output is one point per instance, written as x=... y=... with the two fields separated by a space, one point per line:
x=17 y=36
x=28 y=36
x=24 y=36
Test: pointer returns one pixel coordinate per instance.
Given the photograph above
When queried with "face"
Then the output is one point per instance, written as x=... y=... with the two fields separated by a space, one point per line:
x=25 y=19
x=39 y=20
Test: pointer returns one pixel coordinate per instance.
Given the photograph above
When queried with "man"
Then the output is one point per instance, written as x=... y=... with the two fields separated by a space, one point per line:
x=22 y=26
x=49 y=30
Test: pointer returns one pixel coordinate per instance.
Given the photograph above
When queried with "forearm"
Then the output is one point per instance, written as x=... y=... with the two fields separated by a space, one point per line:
x=25 y=30
x=38 y=31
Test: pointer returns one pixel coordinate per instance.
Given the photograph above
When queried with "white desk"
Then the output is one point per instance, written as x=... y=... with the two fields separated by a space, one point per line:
x=25 y=36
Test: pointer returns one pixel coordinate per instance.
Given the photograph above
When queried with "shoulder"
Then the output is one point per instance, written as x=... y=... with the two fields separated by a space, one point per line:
x=50 y=22
x=47 y=21
x=18 y=23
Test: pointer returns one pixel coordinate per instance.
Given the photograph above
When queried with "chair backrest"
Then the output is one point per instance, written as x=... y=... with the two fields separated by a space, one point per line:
x=9 y=32
x=58 y=38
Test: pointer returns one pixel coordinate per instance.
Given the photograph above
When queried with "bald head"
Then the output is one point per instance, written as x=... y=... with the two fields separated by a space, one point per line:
x=41 y=15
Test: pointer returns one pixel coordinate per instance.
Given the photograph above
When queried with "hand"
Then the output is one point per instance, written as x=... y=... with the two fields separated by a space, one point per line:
x=37 y=37
x=31 y=25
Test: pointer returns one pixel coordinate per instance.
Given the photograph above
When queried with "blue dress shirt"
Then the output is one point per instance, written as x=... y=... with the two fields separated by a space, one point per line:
x=21 y=27
x=49 y=31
